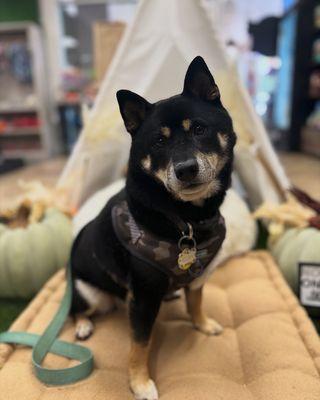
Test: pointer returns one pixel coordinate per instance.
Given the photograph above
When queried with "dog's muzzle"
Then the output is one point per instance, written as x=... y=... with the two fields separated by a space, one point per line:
x=191 y=179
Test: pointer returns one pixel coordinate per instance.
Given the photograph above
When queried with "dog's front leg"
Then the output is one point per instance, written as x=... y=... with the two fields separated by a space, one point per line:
x=199 y=319
x=143 y=310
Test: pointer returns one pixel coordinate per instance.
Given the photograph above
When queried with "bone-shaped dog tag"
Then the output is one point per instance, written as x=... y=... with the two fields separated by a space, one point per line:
x=187 y=257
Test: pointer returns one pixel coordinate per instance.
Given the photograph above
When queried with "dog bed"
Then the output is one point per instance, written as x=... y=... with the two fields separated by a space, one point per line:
x=269 y=349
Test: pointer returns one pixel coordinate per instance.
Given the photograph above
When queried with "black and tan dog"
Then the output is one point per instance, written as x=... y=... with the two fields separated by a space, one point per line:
x=160 y=232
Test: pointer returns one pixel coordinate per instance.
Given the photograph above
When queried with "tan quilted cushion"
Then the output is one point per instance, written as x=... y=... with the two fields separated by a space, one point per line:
x=269 y=349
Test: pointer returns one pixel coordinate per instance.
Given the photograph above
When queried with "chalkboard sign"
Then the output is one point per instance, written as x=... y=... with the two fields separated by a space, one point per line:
x=309 y=287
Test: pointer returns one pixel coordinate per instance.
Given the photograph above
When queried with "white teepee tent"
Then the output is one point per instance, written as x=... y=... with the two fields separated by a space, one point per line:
x=151 y=60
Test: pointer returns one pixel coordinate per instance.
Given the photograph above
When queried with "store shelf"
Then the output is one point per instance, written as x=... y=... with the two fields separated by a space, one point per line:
x=17 y=132
x=18 y=110
x=25 y=101
x=27 y=154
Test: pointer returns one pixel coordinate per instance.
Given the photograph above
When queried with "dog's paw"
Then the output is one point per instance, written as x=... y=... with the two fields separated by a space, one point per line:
x=84 y=329
x=209 y=326
x=145 y=391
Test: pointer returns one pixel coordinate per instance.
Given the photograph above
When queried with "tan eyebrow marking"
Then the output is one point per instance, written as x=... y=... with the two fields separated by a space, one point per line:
x=166 y=131
x=186 y=124
x=223 y=140
x=146 y=162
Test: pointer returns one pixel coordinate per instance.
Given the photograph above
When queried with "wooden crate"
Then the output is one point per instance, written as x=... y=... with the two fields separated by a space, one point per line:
x=106 y=37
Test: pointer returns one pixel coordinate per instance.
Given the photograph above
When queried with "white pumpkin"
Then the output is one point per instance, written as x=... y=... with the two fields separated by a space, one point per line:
x=296 y=245
x=30 y=255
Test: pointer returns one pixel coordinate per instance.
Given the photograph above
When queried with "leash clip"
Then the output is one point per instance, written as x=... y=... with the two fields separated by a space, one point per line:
x=190 y=231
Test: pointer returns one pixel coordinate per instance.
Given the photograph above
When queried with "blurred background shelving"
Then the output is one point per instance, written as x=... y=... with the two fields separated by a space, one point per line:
x=55 y=62
x=26 y=131
x=305 y=117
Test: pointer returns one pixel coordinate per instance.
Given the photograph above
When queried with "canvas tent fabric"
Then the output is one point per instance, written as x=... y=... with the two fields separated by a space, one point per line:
x=151 y=60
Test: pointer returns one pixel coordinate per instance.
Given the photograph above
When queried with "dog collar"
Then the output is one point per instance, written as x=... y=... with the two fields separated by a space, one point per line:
x=182 y=262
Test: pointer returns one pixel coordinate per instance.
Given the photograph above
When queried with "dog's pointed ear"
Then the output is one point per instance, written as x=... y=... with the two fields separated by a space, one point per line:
x=199 y=82
x=133 y=109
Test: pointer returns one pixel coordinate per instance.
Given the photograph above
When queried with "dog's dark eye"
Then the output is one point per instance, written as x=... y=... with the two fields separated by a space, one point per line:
x=160 y=141
x=199 y=129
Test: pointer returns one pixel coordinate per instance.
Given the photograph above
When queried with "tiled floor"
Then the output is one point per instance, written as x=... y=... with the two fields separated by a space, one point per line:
x=303 y=171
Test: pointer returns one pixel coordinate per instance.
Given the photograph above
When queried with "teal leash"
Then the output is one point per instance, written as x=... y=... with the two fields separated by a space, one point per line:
x=48 y=343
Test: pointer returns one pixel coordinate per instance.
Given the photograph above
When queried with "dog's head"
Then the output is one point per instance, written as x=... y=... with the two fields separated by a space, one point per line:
x=185 y=142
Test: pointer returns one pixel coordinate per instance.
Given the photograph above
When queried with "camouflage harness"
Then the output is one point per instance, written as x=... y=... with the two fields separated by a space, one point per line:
x=164 y=254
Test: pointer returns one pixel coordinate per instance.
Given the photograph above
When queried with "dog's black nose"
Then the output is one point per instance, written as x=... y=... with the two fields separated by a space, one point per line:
x=186 y=170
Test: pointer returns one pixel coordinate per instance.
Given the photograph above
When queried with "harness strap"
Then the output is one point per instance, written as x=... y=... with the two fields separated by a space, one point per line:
x=48 y=343
x=164 y=254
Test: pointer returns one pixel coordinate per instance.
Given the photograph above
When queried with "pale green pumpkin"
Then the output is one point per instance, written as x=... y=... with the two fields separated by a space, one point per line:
x=294 y=246
x=29 y=256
